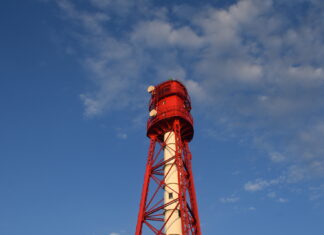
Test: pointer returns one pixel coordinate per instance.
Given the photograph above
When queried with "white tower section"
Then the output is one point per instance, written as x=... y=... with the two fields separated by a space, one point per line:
x=173 y=225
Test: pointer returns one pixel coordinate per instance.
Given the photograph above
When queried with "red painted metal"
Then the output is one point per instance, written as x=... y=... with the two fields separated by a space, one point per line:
x=172 y=103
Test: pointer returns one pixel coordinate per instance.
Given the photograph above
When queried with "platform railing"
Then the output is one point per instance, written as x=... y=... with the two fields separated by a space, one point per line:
x=168 y=112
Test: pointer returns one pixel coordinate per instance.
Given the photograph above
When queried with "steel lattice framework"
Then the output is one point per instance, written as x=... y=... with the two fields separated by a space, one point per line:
x=152 y=212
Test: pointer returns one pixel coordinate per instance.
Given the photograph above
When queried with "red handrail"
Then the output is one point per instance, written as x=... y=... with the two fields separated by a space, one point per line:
x=170 y=111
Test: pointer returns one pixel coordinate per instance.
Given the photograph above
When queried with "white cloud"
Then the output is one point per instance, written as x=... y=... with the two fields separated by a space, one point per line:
x=159 y=34
x=295 y=174
x=114 y=233
x=272 y=195
x=196 y=91
x=260 y=184
x=231 y=199
x=91 y=21
x=249 y=72
x=259 y=74
x=316 y=192
x=111 y=3
x=277 y=157
x=282 y=200
x=121 y=134
x=256 y=186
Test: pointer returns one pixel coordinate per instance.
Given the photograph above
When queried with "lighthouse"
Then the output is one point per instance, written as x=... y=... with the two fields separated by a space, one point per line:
x=168 y=202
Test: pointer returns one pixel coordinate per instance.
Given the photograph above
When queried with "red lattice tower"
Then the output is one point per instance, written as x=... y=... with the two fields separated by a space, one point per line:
x=168 y=204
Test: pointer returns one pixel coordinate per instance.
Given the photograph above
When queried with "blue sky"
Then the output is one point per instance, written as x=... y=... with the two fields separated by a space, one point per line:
x=73 y=103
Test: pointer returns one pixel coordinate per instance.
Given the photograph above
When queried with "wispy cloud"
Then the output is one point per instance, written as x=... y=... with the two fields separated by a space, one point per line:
x=282 y=200
x=316 y=192
x=260 y=184
x=231 y=199
x=272 y=195
x=277 y=157
x=258 y=71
